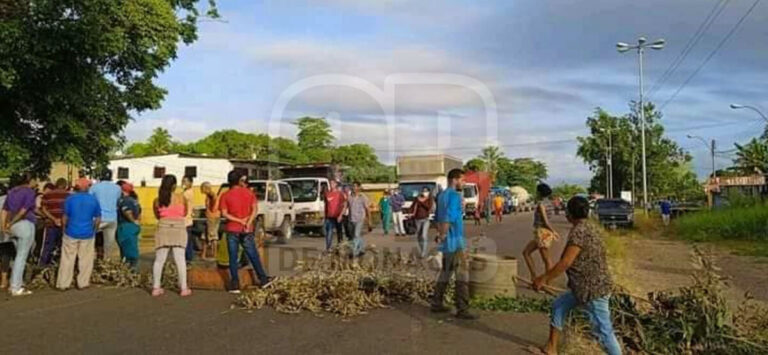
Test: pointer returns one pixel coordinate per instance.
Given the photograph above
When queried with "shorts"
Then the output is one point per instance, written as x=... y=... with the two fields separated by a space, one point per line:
x=212 y=229
x=543 y=237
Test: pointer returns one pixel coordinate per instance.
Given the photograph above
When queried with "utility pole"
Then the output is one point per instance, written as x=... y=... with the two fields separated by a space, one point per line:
x=641 y=45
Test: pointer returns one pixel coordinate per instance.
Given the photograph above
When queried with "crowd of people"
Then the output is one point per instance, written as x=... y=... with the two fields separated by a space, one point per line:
x=72 y=216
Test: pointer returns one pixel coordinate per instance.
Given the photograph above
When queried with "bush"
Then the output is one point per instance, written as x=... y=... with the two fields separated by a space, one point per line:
x=733 y=223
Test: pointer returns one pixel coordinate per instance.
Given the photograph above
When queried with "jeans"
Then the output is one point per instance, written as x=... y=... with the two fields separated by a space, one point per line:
x=358 y=244
x=330 y=225
x=189 y=253
x=234 y=240
x=346 y=224
x=109 y=231
x=51 y=241
x=24 y=232
x=599 y=316
x=453 y=263
x=422 y=235
x=398 y=219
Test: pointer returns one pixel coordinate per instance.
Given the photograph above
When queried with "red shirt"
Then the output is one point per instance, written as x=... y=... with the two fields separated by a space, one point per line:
x=238 y=202
x=53 y=201
x=334 y=203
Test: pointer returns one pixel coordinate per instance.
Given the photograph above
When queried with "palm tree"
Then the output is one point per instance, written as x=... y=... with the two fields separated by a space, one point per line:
x=752 y=157
x=491 y=156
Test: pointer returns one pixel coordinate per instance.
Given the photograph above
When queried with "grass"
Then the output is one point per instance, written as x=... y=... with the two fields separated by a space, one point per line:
x=742 y=229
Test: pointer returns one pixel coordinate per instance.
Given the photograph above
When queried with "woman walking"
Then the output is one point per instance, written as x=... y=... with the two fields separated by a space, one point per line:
x=543 y=232
x=128 y=228
x=386 y=212
x=420 y=210
x=170 y=208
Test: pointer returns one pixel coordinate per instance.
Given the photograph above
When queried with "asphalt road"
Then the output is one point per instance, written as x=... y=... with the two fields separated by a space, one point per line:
x=118 y=321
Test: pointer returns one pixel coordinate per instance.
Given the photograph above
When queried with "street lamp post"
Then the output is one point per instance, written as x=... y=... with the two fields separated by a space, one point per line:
x=641 y=46
x=711 y=147
x=737 y=107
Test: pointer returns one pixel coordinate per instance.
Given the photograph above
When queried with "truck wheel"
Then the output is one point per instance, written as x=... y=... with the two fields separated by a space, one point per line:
x=286 y=230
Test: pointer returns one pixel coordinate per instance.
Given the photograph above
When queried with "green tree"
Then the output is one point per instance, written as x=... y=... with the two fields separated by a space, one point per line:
x=230 y=143
x=490 y=157
x=475 y=164
x=525 y=172
x=315 y=138
x=567 y=191
x=160 y=142
x=752 y=157
x=665 y=159
x=72 y=72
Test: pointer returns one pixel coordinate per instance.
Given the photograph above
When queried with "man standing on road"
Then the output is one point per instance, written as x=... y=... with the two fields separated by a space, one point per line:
x=358 y=214
x=19 y=223
x=498 y=206
x=82 y=217
x=450 y=229
x=386 y=212
x=52 y=207
x=240 y=207
x=397 y=200
x=189 y=195
x=666 y=211
x=107 y=193
x=334 y=206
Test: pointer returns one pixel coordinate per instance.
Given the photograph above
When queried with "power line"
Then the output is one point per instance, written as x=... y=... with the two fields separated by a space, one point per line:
x=692 y=42
x=712 y=54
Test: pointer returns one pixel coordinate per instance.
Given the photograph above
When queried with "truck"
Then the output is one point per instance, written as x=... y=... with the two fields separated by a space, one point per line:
x=308 y=184
x=477 y=187
x=415 y=172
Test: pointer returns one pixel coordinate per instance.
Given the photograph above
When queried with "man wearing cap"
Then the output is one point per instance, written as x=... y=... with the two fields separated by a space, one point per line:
x=81 y=219
x=128 y=227
x=107 y=193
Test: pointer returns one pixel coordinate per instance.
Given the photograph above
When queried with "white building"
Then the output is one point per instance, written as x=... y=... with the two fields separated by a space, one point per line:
x=149 y=170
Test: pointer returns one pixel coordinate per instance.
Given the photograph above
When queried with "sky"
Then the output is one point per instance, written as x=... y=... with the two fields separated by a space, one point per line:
x=452 y=76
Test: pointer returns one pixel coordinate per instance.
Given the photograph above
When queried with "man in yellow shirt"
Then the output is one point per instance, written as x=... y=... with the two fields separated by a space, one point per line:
x=498 y=205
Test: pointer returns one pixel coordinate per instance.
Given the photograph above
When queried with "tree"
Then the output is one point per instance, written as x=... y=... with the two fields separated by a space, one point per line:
x=490 y=156
x=666 y=161
x=525 y=172
x=72 y=72
x=362 y=164
x=566 y=191
x=315 y=138
x=752 y=157
x=475 y=164
x=160 y=142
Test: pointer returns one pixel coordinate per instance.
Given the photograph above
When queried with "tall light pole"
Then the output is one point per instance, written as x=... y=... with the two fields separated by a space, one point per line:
x=737 y=106
x=641 y=46
x=609 y=163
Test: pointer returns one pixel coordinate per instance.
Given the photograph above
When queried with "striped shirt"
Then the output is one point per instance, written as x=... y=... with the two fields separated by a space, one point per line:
x=53 y=202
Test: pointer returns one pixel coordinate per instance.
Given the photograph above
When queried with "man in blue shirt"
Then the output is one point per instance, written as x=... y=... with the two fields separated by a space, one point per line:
x=107 y=193
x=82 y=215
x=450 y=229
x=666 y=211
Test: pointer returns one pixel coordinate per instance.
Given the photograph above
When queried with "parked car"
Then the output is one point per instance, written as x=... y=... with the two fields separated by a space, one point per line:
x=276 y=211
x=615 y=212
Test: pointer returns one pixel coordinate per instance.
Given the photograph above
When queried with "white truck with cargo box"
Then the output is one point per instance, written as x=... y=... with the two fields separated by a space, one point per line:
x=308 y=183
x=419 y=171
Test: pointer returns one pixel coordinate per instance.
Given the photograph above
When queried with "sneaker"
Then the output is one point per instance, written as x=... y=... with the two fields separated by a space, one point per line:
x=234 y=292
x=156 y=292
x=466 y=315
x=270 y=281
x=21 y=292
x=185 y=293
x=439 y=309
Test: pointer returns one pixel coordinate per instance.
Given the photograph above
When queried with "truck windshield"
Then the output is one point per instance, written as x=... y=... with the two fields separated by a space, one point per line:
x=613 y=204
x=470 y=191
x=304 y=190
x=411 y=190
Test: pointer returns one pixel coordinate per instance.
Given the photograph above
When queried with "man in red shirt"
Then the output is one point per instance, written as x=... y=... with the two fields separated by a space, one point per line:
x=240 y=206
x=334 y=206
x=52 y=208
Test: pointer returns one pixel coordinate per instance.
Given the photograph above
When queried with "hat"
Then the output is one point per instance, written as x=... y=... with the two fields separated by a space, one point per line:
x=127 y=187
x=83 y=184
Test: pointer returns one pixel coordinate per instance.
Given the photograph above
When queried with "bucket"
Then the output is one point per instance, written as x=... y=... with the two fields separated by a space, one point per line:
x=491 y=275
